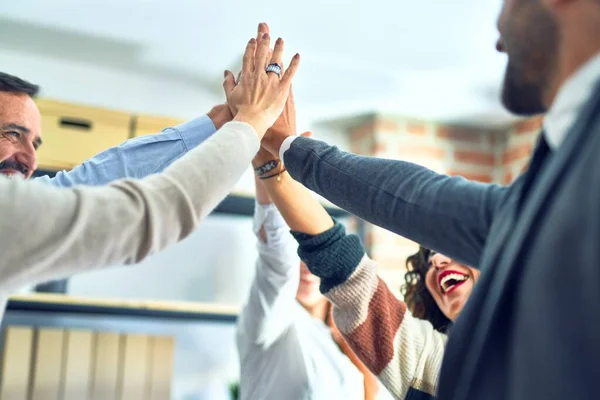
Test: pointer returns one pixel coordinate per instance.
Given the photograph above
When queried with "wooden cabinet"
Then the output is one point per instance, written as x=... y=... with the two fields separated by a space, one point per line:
x=149 y=124
x=75 y=364
x=73 y=133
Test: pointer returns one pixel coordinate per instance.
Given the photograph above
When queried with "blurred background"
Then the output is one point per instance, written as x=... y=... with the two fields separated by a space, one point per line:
x=418 y=81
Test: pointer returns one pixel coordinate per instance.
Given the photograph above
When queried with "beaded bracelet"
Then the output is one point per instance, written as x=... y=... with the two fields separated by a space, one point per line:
x=278 y=175
x=267 y=167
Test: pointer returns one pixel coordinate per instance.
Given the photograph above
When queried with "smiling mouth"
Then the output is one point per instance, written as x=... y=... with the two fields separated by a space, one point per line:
x=450 y=280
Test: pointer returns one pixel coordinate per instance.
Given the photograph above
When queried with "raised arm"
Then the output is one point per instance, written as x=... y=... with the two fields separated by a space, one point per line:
x=48 y=232
x=139 y=157
x=268 y=312
x=405 y=198
x=405 y=353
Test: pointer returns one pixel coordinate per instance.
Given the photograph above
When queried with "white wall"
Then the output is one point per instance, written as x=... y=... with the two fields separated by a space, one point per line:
x=111 y=88
x=215 y=264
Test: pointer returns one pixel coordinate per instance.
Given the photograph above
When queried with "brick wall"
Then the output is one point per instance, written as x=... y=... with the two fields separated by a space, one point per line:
x=487 y=155
x=519 y=143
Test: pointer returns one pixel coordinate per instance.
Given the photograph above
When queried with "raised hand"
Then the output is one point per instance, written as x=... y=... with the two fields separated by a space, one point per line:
x=259 y=96
x=284 y=126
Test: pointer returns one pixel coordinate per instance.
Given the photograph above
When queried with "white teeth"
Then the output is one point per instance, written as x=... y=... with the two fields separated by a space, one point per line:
x=456 y=277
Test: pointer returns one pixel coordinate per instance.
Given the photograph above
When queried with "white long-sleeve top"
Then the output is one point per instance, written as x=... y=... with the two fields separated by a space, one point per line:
x=285 y=353
x=50 y=233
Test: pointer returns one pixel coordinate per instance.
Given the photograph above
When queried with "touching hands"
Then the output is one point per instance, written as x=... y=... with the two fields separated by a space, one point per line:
x=284 y=126
x=220 y=115
x=259 y=97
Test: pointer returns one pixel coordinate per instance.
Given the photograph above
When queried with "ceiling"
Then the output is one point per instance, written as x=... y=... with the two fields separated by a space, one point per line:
x=428 y=58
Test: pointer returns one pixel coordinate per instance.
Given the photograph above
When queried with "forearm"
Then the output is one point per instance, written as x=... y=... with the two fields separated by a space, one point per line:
x=405 y=198
x=269 y=309
x=301 y=211
x=51 y=233
x=145 y=155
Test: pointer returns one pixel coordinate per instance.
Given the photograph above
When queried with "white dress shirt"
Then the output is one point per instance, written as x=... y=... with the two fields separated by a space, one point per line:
x=571 y=97
x=285 y=353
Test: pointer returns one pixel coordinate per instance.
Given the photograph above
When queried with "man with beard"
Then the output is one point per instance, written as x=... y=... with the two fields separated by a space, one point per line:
x=531 y=327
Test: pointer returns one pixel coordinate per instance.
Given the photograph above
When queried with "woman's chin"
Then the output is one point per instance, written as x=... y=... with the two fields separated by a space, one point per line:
x=309 y=299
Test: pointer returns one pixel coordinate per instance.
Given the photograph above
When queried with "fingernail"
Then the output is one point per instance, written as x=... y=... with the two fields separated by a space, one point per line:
x=297 y=56
x=265 y=36
x=279 y=41
x=225 y=74
x=252 y=41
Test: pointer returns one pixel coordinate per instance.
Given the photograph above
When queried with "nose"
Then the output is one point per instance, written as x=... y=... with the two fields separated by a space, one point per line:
x=28 y=157
x=440 y=261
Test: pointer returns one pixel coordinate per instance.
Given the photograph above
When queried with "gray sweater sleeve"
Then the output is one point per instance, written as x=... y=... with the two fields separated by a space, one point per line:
x=449 y=214
x=49 y=233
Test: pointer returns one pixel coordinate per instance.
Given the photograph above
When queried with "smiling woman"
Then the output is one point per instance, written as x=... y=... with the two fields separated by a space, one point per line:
x=404 y=350
x=437 y=287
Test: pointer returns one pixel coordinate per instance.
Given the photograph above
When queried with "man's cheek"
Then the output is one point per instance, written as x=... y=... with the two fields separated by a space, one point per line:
x=5 y=149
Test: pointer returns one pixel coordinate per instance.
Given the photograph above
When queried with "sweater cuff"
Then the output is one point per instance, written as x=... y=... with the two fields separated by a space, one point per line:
x=332 y=256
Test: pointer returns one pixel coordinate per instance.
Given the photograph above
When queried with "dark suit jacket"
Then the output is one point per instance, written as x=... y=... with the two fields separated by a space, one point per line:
x=531 y=329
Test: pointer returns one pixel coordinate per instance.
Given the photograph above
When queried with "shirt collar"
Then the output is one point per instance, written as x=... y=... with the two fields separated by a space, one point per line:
x=571 y=97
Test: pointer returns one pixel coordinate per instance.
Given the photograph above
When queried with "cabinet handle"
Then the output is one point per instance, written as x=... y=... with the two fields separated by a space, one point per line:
x=66 y=122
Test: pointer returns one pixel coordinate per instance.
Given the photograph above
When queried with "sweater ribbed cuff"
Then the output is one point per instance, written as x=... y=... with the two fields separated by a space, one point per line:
x=332 y=256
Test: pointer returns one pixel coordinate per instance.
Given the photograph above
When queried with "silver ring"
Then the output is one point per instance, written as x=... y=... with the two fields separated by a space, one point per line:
x=275 y=68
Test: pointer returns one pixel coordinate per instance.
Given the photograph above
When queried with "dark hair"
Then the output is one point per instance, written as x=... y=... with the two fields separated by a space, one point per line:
x=418 y=299
x=13 y=84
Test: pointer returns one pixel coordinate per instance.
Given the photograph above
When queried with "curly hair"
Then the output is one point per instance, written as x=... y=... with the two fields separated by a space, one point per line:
x=416 y=295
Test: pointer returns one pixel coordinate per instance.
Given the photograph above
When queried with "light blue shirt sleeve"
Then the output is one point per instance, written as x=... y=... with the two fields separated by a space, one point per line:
x=137 y=157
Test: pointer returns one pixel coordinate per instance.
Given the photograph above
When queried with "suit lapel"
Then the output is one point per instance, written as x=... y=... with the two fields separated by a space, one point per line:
x=500 y=263
x=539 y=194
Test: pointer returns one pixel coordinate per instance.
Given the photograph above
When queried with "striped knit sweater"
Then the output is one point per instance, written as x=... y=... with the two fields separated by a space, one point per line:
x=404 y=352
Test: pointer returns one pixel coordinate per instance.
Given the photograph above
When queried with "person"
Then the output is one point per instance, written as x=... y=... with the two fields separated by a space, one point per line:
x=405 y=351
x=535 y=241
x=436 y=287
x=20 y=128
x=288 y=345
x=48 y=232
x=136 y=158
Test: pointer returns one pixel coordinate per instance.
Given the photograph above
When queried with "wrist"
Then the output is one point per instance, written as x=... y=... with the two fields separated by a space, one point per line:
x=272 y=143
x=255 y=121
x=262 y=158
x=220 y=115
x=262 y=195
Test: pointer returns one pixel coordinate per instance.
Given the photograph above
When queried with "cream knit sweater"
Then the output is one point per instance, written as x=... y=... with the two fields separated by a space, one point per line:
x=49 y=233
